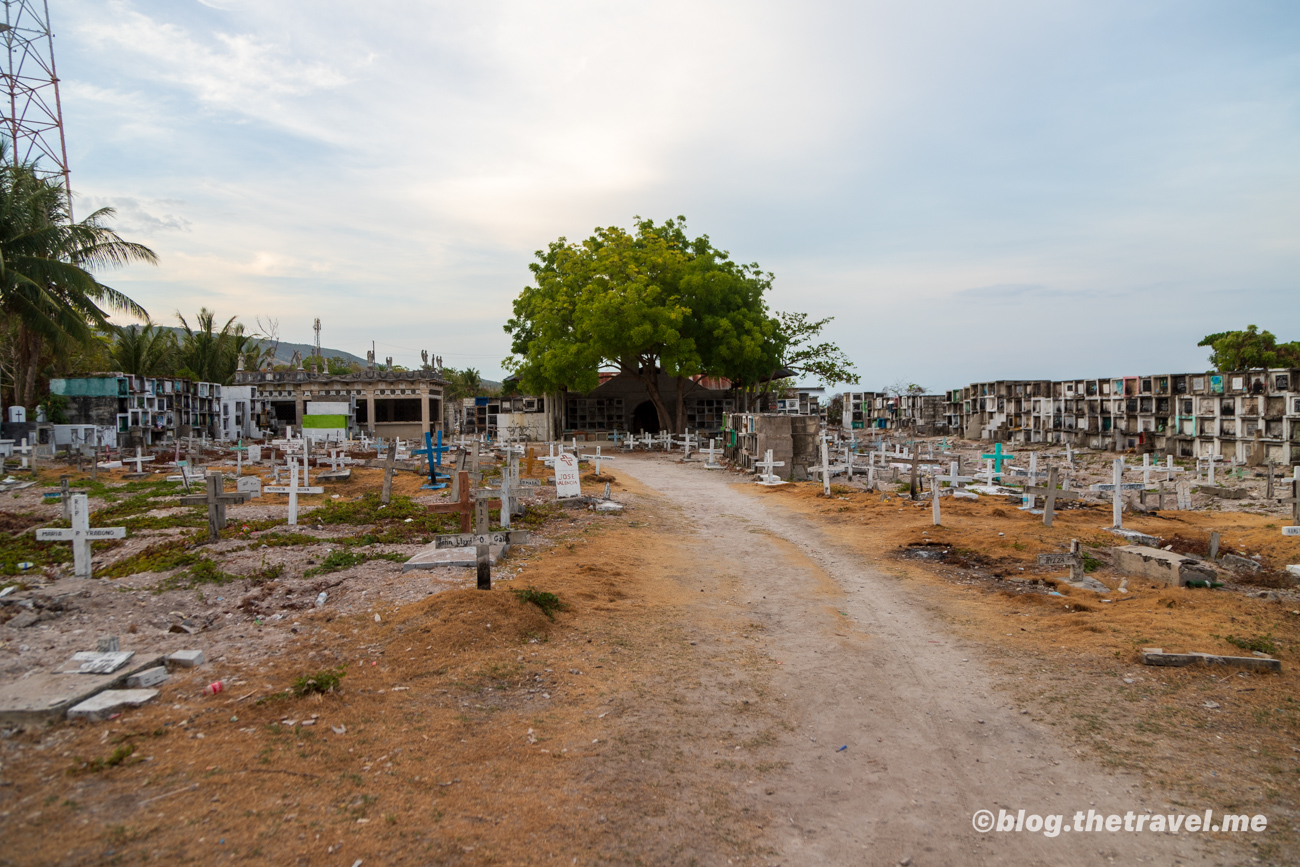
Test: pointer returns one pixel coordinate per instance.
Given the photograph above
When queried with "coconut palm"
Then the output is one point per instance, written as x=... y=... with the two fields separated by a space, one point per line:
x=143 y=350
x=46 y=262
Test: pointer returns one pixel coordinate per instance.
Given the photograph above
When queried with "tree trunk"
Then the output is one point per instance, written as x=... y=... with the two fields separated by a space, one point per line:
x=25 y=394
x=680 y=426
x=651 y=381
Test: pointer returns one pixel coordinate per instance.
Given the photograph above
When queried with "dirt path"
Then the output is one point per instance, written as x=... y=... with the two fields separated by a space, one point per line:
x=854 y=662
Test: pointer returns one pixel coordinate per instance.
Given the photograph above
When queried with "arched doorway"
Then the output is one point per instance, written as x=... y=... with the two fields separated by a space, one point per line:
x=645 y=419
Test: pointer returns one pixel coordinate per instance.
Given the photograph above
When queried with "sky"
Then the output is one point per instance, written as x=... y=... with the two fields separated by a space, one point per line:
x=974 y=191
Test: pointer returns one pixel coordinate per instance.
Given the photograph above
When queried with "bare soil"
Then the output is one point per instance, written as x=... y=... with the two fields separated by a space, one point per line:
x=739 y=675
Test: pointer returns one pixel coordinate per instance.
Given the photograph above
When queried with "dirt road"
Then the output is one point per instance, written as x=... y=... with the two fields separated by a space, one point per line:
x=895 y=733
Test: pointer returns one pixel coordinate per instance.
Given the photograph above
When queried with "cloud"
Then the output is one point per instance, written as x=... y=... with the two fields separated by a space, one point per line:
x=134 y=217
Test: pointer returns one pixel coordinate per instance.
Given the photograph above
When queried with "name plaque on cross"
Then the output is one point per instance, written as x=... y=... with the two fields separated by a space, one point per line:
x=470 y=540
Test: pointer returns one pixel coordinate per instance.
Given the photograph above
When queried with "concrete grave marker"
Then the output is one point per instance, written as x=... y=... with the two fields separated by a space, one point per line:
x=1117 y=487
x=567 y=483
x=216 y=499
x=597 y=457
x=250 y=485
x=81 y=534
x=293 y=489
x=767 y=477
x=1051 y=495
x=712 y=451
x=139 y=461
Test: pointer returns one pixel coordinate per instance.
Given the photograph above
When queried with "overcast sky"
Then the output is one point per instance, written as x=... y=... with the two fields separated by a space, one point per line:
x=974 y=190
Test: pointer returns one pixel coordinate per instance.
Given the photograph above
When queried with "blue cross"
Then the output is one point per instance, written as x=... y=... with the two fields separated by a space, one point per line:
x=434 y=454
x=998 y=457
x=615 y=435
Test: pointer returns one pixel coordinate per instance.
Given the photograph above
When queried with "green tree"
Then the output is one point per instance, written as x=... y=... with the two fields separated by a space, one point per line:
x=462 y=383
x=46 y=265
x=209 y=354
x=143 y=350
x=1251 y=349
x=794 y=352
x=648 y=303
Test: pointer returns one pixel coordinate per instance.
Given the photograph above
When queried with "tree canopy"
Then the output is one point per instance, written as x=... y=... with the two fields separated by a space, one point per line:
x=46 y=262
x=1250 y=350
x=648 y=303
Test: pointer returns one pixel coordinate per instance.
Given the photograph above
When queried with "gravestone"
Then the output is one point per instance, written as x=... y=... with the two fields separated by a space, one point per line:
x=81 y=534
x=712 y=451
x=139 y=460
x=597 y=457
x=769 y=478
x=1117 y=487
x=567 y=483
x=1051 y=495
x=216 y=499
x=293 y=489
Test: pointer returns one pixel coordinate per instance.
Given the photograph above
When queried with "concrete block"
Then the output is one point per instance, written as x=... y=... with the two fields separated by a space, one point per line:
x=1165 y=567
x=147 y=678
x=1223 y=493
x=185 y=659
x=1133 y=536
x=111 y=701
x=1294 y=570
x=1157 y=656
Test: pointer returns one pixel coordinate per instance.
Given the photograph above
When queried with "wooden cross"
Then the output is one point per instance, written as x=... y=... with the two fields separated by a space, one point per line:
x=597 y=458
x=139 y=461
x=1050 y=495
x=216 y=500
x=293 y=490
x=81 y=534
x=434 y=455
x=915 y=463
x=768 y=477
x=712 y=451
x=1294 y=499
x=826 y=466
x=1118 y=487
x=998 y=458
x=386 y=495
x=240 y=450
x=1210 y=461
x=465 y=505
x=953 y=478
x=24 y=450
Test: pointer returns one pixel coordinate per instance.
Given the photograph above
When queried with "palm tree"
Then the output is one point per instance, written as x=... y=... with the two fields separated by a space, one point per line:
x=143 y=350
x=207 y=354
x=45 y=268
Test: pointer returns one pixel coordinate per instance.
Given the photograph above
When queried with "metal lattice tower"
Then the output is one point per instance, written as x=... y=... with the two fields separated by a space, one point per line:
x=33 y=115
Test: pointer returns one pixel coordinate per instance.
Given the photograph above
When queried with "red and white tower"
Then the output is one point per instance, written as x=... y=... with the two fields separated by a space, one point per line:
x=33 y=116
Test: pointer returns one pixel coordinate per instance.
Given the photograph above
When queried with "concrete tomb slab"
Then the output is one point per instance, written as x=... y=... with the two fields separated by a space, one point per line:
x=433 y=557
x=1157 y=656
x=1165 y=567
x=110 y=702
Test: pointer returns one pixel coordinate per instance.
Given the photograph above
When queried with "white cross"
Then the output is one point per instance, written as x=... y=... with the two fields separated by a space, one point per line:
x=953 y=479
x=138 y=460
x=768 y=477
x=1210 y=462
x=826 y=466
x=712 y=452
x=26 y=450
x=597 y=457
x=1117 y=498
x=81 y=534
x=987 y=474
x=293 y=490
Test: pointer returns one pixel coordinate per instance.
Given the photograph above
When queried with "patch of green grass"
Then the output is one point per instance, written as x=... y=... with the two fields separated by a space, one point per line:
x=339 y=560
x=287 y=540
x=94 y=766
x=162 y=557
x=1090 y=564
x=548 y=602
x=1260 y=643
x=321 y=682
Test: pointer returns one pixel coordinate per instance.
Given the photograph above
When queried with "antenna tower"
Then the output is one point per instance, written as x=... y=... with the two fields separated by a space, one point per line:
x=33 y=114
x=316 y=328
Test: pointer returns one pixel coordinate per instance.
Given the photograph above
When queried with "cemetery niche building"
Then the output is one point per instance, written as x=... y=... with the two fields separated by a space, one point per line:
x=386 y=403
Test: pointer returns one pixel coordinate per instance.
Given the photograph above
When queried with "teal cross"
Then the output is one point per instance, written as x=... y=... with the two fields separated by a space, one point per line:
x=998 y=457
x=616 y=435
x=435 y=460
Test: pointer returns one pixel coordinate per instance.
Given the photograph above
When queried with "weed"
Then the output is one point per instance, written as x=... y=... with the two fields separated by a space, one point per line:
x=163 y=557
x=321 y=682
x=94 y=766
x=337 y=561
x=1260 y=643
x=548 y=602
x=1090 y=564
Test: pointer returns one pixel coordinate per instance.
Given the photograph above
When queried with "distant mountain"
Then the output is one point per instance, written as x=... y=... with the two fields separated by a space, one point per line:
x=284 y=352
